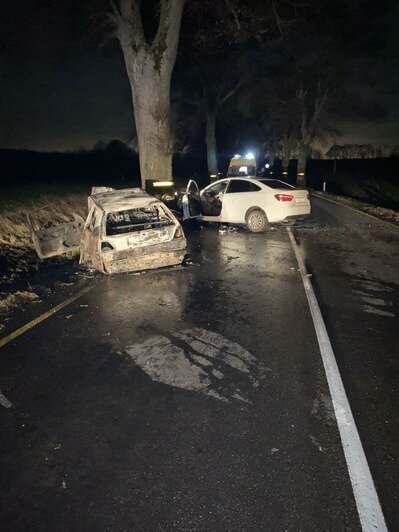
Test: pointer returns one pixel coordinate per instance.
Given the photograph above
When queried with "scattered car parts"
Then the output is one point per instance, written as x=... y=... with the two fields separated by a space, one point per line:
x=51 y=238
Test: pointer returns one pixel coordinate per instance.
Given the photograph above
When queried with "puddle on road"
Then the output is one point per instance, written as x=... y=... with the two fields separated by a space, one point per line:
x=201 y=361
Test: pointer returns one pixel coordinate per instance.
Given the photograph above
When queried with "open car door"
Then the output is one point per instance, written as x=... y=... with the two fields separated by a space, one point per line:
x=191 y=201
x=51 y=238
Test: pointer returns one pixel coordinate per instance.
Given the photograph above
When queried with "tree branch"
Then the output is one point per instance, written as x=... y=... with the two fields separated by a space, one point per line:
x=233 y=12
x=301 y=96
x=222 y=100
x=277 y=18
x=127 y=20
x=164 y=46
x=319 y=105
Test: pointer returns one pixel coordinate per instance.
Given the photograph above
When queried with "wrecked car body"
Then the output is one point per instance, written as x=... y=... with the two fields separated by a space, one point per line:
x=129 y=230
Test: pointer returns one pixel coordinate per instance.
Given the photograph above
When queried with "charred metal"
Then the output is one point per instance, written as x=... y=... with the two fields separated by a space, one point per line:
x=125 y=230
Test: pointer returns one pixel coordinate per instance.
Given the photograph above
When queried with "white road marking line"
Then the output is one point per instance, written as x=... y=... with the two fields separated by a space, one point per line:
x=367 y=502
x=4 y=401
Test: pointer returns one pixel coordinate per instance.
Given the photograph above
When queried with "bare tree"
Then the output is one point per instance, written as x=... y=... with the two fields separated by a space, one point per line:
x=311 y=107
x=225 y=38
x=212 y=103
x=208 y=93
x=149 y=67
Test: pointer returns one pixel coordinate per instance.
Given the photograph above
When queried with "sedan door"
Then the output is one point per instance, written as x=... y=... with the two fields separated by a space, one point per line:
x=191 y=201
x=212 y=201
x=241 y=195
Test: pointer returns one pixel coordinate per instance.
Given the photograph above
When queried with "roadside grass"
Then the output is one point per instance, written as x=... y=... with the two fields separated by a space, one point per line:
x=12 y=197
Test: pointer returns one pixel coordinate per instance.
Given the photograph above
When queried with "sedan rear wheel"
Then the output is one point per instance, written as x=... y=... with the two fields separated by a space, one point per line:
x=257 y=221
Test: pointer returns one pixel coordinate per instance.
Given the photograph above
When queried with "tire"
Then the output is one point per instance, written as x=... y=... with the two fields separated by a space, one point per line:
x=257 y=221
x=288 y=222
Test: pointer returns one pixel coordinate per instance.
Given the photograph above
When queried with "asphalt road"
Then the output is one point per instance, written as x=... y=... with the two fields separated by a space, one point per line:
x=195 y=398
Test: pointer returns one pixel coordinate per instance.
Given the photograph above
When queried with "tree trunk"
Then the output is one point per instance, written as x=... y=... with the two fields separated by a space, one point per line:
x=272 y=157
x=285 y=162
x=271 y=145
x=301 y=168
x=149 y=68
x=151 y=105
x=211 y=146
x=287 y=146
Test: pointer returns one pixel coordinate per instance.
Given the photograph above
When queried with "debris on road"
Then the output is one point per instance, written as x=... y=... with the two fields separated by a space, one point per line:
x=10 y=301
x=55 y=236
x=227 y=228
x=188 y=261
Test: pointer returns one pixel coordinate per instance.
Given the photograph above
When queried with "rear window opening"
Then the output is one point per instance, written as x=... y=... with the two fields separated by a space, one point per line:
x=275 y=183
x=121 y=222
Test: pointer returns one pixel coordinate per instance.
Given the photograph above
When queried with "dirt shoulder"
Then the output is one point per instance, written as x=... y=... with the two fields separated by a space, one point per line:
x=387 y=215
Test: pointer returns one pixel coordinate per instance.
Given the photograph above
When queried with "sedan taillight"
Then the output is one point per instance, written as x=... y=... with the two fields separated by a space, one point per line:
x=283 y=197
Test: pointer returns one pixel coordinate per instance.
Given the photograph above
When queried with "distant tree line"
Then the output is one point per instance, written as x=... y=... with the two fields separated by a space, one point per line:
x=357 y=151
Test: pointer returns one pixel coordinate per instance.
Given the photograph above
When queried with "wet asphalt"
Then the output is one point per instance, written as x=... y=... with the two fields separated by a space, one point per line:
x=103 y=437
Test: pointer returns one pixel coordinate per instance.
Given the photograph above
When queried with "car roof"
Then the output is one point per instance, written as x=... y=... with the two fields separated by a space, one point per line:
x=123 y=199
x=235 y=177
x=258 y=179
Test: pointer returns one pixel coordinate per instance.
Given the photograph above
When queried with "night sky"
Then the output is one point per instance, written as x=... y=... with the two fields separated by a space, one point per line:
x=64 y=86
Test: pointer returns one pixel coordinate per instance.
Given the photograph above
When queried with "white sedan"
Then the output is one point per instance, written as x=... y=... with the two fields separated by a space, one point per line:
x=241 y=200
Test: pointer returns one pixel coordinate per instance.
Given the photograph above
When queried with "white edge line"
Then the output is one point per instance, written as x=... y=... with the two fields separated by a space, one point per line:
x=366 y=498
x=356 y=210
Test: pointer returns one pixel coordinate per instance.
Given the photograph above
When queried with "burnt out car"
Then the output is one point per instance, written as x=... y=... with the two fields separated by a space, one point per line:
x=126 y=230
x=129 y=230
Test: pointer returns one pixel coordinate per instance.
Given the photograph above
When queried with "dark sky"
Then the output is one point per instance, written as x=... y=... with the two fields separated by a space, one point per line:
x=60 y=90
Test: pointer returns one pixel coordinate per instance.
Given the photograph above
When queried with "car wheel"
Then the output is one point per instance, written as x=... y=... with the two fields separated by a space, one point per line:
x=288 y=222
x=257 y=221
